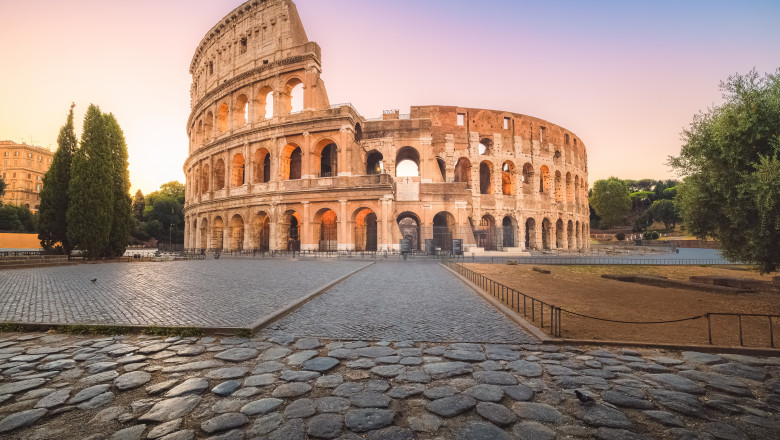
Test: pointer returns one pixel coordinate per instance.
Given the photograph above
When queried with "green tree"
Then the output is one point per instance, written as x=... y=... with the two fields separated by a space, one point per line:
x=122 y=223
x=164 y=213
x=611 y=201
x=2 y=189
x=731 y=191
x=138 y=206
x=9 y=219
x=90 y=212
x=52 y=225
x=665 y=211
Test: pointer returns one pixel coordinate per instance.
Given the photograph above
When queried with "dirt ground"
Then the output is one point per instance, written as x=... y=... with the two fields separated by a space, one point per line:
x=581 y=289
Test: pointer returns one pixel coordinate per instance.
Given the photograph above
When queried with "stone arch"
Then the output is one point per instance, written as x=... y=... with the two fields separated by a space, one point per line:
x=570 y=235
x=205 y=179
x=241 y=111
x=262 y=165
x=486 y=177
x=509 y=231
x=237 y=170
x=409 y=227
x=485 y=147
x=293 y=98
x=219 y=175
x=530 y=233
x=208 y=127
x=558 y=187
x=546 y=233
x=366 y=230
x=236 y=233
x=199 y=138
x=486 y=235
x=463 y=171
x=265 y=103
x=407 y=162
x=442 y=168
x=290 y=231
x=327 y=232
x=375 y=163
x=544 y=180
x=292 y=157
x=327 y=157
x=569 y=188
x=443 y=230
x=223 y=115
x=217 y=233
x=508 y=178
x=528 y=177
x=261 y=226
x=559 y=234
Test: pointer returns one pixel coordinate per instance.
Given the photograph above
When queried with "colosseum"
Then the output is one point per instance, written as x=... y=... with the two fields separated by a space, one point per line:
x=273 y=165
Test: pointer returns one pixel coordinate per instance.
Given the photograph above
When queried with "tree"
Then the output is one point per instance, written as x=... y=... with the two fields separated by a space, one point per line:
x=2 y=188
x=164 y=213
x=52 y=225
x=138 y=206
x=611 y=201
x=666 y=211
x=731 y=191
x=90 y=212
x=121 y=224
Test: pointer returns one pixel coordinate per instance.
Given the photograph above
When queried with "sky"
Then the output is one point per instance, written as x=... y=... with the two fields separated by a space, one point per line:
x=625 y=76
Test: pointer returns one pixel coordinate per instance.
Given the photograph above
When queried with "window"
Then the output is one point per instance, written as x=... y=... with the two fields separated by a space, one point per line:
x=29 y=155
x=461 y=119
x=566 y=138
x=506 y=123
x=243 y=46
x=39 y=178
x=16 y=154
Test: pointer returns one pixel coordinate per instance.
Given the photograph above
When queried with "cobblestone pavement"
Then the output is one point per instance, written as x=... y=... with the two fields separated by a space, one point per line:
x=418 y=301
x=209 y=293
x=132 y=388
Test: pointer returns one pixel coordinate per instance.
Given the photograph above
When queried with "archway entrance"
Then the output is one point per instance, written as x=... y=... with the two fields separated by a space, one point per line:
x=486 y=236
x=263 y=231
x=508 y=231
x=530 y=234
x=366 y=230
x=237 y=233
x=409 y=226
x=204 y=234
x=216 y=233
x=328 y=231
x=546 y=232
x=290 y=231
x=442 y=231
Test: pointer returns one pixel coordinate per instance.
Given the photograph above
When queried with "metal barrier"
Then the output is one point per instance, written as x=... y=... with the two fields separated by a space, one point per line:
x=739 y=319
x=21 y=253
x=591 y=261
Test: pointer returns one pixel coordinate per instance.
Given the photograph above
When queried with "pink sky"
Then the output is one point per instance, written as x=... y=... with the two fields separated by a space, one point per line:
x=626 y=77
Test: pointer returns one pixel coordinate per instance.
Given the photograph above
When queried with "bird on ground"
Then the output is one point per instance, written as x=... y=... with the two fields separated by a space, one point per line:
x=93 y=279
x=583 y=398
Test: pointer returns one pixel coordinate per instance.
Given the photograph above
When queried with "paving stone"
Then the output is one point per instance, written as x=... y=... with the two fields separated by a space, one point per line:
x=227 y=373
x=682 y=403
x=194 y=385
x=464 y=355
x=267 y=423
x=260 y=380
x=21 y=419
x=188 y=434
x=275 y=353
x=332 y=404
x=170 y=409
x=98 y=401
x=300 y=357
x=427 y=423
x=131 y=359
x=519 y=392
x=330 y=381
x=343 y=353
x=405 y=391
x=164 y=429
x=486 y=393
x=501 y=354
x=300 y=408
x=128 y=381
x=237 y=354
x=729 y=384
x=525 y=368
x=88 y=393
x=99 y=367
x=370 y=399
x=307 y=343
x=107 y=415
x=375 y=352
x=160 y=387
x=224 y=422
x=132 y=433
x=388 y=359
x=325 y=426
x=282 y=339
x=391 y=433
x=261 y=407
x=598 y=415
x=348 y=389
x=193 y=366
x=676 y=383
x=724 y=431
x=368 y=419
x=648 y=367
x=413 y=376
x=494 y=378
x=299 y=376
x=627 y=400
x=451 y=406
x=532 y=431
x=362 y=363
x=537 y=411
x=56 y=398
x=190 y=350
x=496 y=413
x=665 y=418
x=22 y=385
x=293 y=389
x=740 y=370
x=153 y=348
x=411 y=361
x=293 y=429
x=618 y=434
x=268 y=367
x=226 y=388
x=481 y=431
x=447 y=369
x=388 y=370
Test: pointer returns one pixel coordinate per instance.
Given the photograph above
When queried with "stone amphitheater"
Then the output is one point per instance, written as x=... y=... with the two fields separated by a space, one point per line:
x=273 y=165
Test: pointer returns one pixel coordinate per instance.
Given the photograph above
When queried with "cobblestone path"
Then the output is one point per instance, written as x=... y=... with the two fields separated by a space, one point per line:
x=419 y=301
x=207 y=293
x=57 y=387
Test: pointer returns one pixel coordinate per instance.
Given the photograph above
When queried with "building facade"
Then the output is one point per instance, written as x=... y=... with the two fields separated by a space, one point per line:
x=274 y=165
x=22 y=167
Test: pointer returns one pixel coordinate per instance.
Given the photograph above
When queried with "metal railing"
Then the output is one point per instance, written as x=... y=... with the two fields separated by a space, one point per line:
x=21 y=253
x=590 y=261
x=739 y=317
x=511 y=298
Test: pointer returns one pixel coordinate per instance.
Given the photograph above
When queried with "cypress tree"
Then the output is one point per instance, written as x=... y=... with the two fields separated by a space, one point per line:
x=52 y=224
x=122 y=214
x=139 y=203
x=90 y=212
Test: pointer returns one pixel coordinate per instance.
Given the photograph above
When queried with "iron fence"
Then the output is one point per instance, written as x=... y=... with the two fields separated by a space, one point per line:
x=739 y=317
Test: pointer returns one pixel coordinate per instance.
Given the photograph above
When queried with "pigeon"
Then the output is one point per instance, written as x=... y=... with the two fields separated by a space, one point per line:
x=583 y=398
x=93 y=279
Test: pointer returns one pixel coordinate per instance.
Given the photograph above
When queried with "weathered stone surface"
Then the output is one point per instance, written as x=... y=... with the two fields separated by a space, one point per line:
x=375 y=352
x=367 y=419
x=682 y=403
x=332 y=404
x=537 y=411
x=496 y=413
x=388 y=370
x=665 y=418
x=676 y=383
x=195 y=385
x=153 y=348
x=405 y=391
x=326 y=426
x=293 y=389
x=300 y=357
x=164 y=429
x=626 y=400
x=618 y=434
x=275 y=353
x=193 y=366
x=293 y=429
x=132 y=433
x=262 y=406
x=702 y=358
x=98 y=401
x=370 y=399
x=464 y=355
x=525 y=368
x=227 y=373
x=224 y=422
x=260 y=380
x=320 y=364
x=56 y=398
x=268 y=367
x=160 y=387
x=299 y=376
x=451 y=406
x=598 y=415
x=88 y=393
x=330 y=381
x=128 y=381
x=300 y=408
x=226 y=388
x=267 y=423
x=171 y=409
x=443 y=370
x=532 y=431
x=741 y=370
x=237 y=354
x=481 y=431
x=22 y=385
x=21 y=419
x=519 y=392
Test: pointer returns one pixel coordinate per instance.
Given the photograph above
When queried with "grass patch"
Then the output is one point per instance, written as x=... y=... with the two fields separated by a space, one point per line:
x=183 y=332
x=244 y=333
x=93 y=330
x=11 y=327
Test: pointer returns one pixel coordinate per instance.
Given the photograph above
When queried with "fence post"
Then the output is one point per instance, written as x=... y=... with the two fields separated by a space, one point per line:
x=709 y=328
x=741 y=344
x=771 y=332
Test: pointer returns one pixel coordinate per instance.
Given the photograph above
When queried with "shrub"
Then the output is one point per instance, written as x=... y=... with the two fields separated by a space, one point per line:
x=620 y=236
x=651 y=235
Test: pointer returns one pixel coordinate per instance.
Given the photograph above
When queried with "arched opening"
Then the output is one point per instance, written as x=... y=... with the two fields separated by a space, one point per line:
x=204 y=179
x=528 y=177
x=442 y=168
x=291 y=162
x=366 y=238
x=559 y=243
x=262 y=229
x=546 y=233
x=485 y=147
x=463 y=171
x=569 y=188
x=199 y=140
x=219 y=175
x=485 y=177
x=293 y=96
x=216 y=233
x=241 y=111
x=222 y=117
x=204 y=234
x=358 y=132
x=262 y=165
x=570 y=235
x=508 y=178
x=577 y=190
x=237 y=233
x=485 y=235
x=328 y=231
x=530 y=234
x=328 y=153
x=558 y=187
x=409 y=228
x=508 y=231
x=544 y=180
x=289 y=231
x=443 y=224
x=237 y=170
x=407 y=162
x=375 y=163
x=265 y=103
x=208 y=127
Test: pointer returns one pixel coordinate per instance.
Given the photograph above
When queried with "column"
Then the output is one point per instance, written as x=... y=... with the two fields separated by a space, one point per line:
x=342 y=246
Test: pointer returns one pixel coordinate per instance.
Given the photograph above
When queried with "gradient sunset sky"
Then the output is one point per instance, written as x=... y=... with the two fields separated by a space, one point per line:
x=625 y=76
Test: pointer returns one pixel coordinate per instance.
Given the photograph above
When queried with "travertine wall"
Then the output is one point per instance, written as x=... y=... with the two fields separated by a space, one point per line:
x=323 y=177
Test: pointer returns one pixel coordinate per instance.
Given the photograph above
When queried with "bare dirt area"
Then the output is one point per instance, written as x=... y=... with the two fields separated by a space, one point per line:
x=581 y=289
